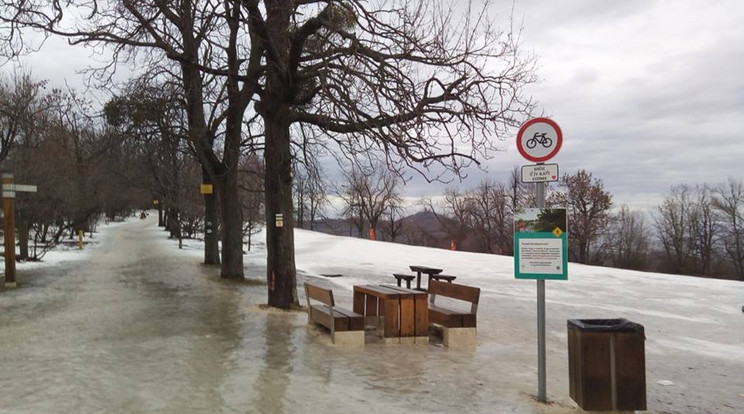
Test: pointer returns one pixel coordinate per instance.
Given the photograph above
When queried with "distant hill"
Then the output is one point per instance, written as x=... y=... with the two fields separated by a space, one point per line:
x=420 y=229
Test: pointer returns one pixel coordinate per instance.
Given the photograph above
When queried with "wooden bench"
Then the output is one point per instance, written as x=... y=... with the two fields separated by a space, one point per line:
x=458 y=327
x=408 y=278
x=347 y=327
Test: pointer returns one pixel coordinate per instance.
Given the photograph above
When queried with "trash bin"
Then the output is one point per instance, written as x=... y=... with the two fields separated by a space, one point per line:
x=607 y=364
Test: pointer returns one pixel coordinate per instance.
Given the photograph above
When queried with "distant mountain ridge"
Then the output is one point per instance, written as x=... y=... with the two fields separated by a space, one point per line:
x=423 y=228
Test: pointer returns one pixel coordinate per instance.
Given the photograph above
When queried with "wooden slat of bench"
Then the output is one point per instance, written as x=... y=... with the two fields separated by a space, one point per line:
x=356 y=321
x=451 y=318
x=320 y=294
x=456 y=291
x=322 y=315
x=468 y=320
x=445 y=317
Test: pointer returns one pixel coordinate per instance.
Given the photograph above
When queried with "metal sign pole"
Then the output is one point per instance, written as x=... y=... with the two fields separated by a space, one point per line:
x=541 y=391
x=538 y=140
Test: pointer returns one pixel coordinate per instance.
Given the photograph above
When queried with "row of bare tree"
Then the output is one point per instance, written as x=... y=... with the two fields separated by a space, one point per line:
x=695 y=231
x=411 y=82
x=90 y=165
x=51 y=140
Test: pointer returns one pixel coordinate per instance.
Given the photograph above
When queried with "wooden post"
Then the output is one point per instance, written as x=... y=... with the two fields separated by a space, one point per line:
x=9 y=212
x=80 y=239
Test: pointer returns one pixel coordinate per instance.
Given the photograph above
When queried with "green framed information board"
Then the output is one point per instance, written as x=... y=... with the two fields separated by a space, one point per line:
x=540 y=244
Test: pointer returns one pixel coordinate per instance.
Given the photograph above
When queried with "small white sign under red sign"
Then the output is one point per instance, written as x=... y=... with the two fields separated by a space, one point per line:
x=540 y=173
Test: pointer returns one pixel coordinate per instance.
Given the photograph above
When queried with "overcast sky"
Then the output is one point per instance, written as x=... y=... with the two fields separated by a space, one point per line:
x=648 y=94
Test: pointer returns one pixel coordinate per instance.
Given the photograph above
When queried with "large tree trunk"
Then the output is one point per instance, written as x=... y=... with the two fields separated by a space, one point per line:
x=231 y=226
x=211 y=225
x=280 y=260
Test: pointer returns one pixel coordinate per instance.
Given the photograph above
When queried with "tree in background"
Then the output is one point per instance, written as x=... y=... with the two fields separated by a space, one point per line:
x=705 y=231
x=729 y=203
x=371 y=193
x=520 y=194
x=310 y=194
x=22 y=103
x=629 y=240
x=204 y=45
x=252 y=194
x=152 y=117
x=588 y=205
x=478 y=219
x=394 y=225
x=675 y=229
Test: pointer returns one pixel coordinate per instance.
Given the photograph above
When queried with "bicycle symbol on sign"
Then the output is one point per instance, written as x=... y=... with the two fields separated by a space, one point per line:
x=539 y=138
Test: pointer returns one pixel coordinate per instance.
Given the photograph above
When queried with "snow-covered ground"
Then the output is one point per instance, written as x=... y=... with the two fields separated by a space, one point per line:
x=135 y=325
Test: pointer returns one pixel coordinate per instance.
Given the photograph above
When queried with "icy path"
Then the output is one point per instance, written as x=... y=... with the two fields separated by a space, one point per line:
x=140 y=326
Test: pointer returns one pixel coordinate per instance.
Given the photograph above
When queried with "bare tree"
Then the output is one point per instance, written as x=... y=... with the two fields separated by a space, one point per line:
x=588 y=206
x=402 y=78
x=252 y=194
x=452 y=214
x=208 y=45
x=520 y=194
x=673 y=229
x=729 y=202
x=705 y=228
x=152 y=116
x=629 y=239
x=372 y=193
x=395 y=223
x=22 y=101
x=310 y=194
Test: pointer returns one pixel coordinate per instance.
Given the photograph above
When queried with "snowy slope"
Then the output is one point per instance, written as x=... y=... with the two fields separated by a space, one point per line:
x=694 y=326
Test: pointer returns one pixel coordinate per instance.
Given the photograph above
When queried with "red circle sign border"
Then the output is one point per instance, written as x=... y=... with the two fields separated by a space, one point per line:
x=559 y=139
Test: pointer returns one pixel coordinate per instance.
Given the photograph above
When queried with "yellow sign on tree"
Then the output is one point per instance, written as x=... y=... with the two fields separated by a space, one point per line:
x=206 y=189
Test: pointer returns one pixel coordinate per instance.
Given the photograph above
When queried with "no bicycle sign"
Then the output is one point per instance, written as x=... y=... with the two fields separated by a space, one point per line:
x=539 y=139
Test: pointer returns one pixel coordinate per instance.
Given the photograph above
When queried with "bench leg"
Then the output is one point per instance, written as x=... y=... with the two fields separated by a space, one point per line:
x=398 y=282
x=350 y=338
x=459 y=337
x=408 y=284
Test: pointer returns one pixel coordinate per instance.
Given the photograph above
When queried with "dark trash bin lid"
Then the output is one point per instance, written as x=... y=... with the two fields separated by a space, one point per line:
x=605 y=325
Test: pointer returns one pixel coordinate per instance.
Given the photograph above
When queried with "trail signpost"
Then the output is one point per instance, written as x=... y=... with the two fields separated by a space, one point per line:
x=9 y=193
x=539 y=140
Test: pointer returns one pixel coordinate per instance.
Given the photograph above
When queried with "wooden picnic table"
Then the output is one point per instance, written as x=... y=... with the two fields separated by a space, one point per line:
x=426 y=270
x=405 y=312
